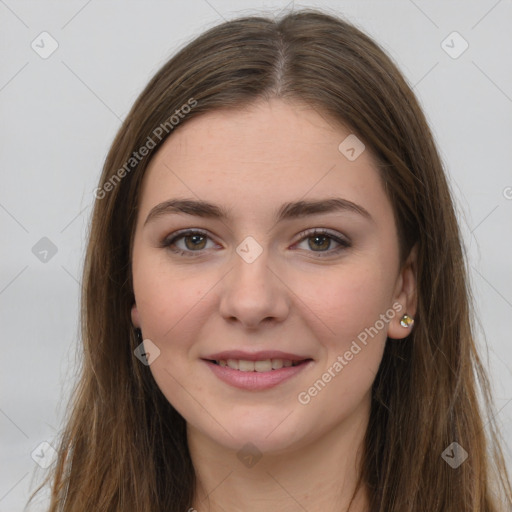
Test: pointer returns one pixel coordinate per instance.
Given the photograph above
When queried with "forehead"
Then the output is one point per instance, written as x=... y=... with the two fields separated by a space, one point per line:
x=270 y=152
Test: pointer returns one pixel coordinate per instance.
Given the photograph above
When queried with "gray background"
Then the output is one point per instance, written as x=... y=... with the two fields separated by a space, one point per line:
x=61 y=113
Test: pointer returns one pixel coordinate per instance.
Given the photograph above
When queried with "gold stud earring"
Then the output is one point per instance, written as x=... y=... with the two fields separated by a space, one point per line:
x=406 y=321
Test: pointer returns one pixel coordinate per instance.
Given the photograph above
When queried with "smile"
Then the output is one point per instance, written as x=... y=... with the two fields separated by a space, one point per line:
x=265 y=365
x=256 y=375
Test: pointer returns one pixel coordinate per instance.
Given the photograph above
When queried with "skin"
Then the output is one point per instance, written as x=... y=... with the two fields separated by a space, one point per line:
x=298 y=296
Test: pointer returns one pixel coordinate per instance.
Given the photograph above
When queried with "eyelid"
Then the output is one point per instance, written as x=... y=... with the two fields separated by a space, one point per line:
x=183 y=232
x=324 y=231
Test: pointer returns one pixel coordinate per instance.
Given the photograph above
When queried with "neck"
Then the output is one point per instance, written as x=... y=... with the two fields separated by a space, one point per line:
x=319 y=476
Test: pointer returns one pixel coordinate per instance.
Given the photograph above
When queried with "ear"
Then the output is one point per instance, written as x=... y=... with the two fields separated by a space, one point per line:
x=405 y=295
x=135 y=316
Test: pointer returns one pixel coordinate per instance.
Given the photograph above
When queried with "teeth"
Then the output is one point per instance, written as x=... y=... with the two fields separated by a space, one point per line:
x=276 y=364
x=263 y=366
x=246 y=366
x=233 y=363
x=259 y=366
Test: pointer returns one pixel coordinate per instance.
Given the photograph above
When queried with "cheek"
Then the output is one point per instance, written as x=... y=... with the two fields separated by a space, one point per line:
x=167 y=297
x=351 y=303
x=348 y=299
x=169 y=306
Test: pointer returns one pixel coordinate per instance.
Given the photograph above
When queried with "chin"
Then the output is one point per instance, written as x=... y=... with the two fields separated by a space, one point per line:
x=265 y=437
x=248 y=439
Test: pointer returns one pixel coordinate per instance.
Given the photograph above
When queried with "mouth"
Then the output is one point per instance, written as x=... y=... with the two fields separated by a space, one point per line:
x=256 y=371
x=260 y=366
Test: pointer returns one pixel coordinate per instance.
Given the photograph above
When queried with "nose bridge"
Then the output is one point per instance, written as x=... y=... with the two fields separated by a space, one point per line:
x=251 y=291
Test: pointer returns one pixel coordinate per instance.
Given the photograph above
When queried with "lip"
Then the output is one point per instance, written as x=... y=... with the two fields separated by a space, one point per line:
x=256 y=381
x=255 y=356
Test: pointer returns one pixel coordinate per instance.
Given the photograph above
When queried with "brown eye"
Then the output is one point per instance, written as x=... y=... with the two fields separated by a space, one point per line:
x=193 y=242
x=319 y=242
x=189 y=242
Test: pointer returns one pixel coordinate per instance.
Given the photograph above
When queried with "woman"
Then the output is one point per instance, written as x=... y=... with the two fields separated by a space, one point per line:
x=276 y=312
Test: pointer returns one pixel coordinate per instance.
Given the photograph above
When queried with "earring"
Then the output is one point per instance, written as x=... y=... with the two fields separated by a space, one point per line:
x=138 y=335
x=406 y=321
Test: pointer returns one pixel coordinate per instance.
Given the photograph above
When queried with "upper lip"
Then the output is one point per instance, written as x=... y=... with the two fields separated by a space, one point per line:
x=255 y=356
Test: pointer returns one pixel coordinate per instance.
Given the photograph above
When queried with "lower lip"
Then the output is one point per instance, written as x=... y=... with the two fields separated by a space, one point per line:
x=256 y=381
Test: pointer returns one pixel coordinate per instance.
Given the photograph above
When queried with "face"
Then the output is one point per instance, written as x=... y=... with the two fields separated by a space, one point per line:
x=266 y=272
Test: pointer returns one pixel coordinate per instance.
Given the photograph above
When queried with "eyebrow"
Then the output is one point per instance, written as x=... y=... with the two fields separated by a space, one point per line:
x=287 y=211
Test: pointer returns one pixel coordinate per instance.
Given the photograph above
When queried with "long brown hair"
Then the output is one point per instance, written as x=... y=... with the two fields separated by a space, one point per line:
x=124 y=446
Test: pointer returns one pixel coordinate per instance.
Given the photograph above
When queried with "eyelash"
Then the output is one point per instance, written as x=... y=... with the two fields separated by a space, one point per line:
x=344 y=243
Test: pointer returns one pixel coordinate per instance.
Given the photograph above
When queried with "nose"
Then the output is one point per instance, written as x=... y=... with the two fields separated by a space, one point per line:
x=252 y=294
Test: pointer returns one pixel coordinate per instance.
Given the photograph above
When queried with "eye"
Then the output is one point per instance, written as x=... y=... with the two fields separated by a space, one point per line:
x=321 y=241
x=192 y=242
x=187 y=242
